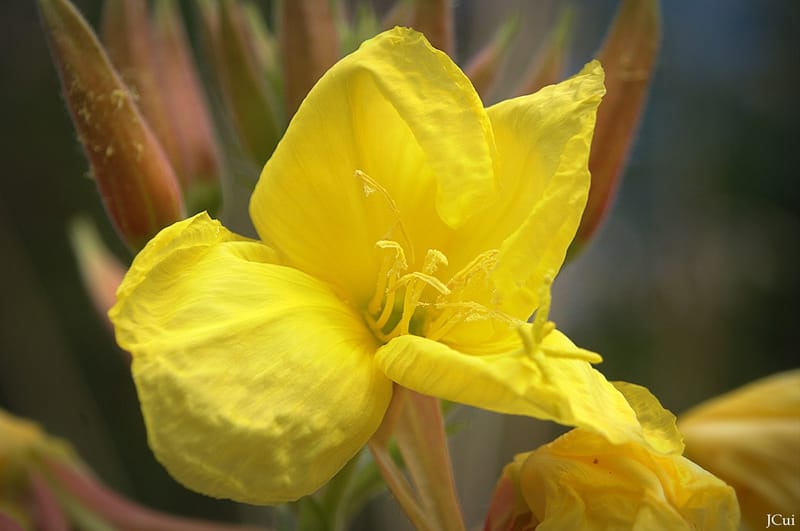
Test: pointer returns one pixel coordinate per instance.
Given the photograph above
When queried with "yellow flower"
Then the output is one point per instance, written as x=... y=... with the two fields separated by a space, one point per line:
x=750 y=437
x=407 y=234
x=581 y=481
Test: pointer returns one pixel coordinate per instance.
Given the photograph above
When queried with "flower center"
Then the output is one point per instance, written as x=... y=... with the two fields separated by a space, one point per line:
x=398 y=293
x=466 y=297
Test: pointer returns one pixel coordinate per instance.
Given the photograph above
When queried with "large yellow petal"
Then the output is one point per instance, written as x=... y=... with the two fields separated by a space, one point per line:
x=392 y=143
x=543 y=145
x=568 y=391
x=190 y=235
x=255 y=381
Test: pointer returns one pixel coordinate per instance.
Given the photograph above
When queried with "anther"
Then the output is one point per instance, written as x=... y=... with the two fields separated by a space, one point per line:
x=478 y=270
x=433 y=259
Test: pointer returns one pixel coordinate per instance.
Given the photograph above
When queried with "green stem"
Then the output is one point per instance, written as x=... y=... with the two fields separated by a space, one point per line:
x=337 y=492
x=310 y=515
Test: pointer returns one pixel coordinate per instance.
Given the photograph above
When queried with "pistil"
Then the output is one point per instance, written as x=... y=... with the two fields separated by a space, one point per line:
x=533 y=334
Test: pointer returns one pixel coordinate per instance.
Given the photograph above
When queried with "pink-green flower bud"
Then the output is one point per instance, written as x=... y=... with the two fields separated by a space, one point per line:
x=127 y=37
x=198 y=168
x=484 y=66
x=628 y=57
x=264 y=45
x=134 y=176
x=508 y=509
x=399 y=14
x=101 y=271
x=249 y=100
x=547 y=66
x=434 y=19
x=310 y=45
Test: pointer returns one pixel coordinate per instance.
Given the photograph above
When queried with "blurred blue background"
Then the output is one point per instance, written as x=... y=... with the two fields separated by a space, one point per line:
x=690 y=288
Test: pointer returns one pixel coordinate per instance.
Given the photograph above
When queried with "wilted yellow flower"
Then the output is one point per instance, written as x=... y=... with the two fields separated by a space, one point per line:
x=581 y=481
x=407 y=234
x=750 y=437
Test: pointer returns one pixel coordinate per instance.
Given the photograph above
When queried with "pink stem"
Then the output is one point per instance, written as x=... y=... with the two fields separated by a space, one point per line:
x=421 y=437
x=9 y=524
x=121 y=512
x=48 y=514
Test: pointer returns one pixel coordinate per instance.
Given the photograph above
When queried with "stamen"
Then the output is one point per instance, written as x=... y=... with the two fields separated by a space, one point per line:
x=391 y=268
x=415 y=285
x=371 y=186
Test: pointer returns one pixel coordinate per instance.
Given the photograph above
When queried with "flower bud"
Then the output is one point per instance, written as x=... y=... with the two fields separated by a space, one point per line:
x=548 y=65
x=136 y=181
x=508 y=509
x=750 y=437
x=198 y=167
x=628 y=56
x=434 y=19
x=310 y=45
x=399 y=14
x=264 y=45
x=128 y=39
x=483 y=68
x=364 y=25
x=101 y=271
x=249 y=99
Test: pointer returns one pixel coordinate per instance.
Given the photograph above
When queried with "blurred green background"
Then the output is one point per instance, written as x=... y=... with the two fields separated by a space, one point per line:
x=690 y=288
